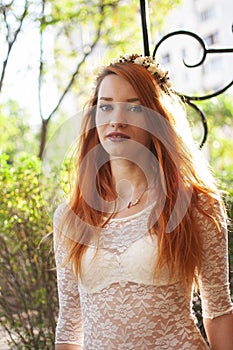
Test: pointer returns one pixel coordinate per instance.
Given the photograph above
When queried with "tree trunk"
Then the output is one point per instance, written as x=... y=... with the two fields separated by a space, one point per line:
x=43 y=136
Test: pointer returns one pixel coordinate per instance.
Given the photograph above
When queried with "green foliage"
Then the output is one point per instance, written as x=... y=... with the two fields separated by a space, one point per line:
x=16 y=134
x=220 y=140
x=28 y=298
x=219 y=114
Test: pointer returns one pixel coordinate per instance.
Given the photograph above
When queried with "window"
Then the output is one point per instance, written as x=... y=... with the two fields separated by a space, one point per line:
x=213 y=66
x=212 y=39
x=165 y=59
x=207 y=14
x=183 y=53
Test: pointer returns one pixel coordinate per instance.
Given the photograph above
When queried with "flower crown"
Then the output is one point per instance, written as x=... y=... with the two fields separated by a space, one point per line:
x=161 y=76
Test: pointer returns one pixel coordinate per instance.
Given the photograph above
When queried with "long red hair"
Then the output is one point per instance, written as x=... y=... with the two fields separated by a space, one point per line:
x=181 y=178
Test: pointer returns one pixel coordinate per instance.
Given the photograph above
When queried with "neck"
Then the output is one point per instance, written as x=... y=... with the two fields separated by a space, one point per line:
x=131 y=182
x=130 y=174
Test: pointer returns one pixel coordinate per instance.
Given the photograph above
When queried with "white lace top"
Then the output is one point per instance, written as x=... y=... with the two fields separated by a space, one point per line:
x=118 y=304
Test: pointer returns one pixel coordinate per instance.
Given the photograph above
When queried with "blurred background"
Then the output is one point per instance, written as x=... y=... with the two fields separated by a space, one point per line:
x=50 y=52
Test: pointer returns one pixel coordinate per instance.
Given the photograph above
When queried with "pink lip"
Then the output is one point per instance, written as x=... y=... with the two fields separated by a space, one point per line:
x=117 y=137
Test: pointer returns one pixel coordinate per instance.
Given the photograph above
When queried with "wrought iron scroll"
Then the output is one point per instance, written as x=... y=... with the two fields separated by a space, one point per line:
x=206 y=50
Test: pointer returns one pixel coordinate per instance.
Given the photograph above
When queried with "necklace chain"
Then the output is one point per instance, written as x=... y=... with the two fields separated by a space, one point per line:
x=132 y=204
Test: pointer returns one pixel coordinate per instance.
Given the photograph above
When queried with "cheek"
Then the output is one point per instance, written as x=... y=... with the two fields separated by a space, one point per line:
x=97 y=120
x=144 y=137
x=100 y=130
x=101 y=124
x=138 y=120
x=102 y=118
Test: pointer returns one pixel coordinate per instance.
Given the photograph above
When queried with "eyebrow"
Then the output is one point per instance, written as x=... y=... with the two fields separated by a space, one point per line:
x=133 y=99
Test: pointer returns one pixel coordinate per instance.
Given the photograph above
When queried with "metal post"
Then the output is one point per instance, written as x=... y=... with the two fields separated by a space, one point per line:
x=144 y=16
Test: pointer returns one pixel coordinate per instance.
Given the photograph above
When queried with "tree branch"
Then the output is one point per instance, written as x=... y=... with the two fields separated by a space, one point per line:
x=46 y=120
x=73 y=77
x=41 y=63
x=10 y=41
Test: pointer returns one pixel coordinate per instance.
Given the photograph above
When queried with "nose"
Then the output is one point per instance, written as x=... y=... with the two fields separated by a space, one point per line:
x=118 y=119
x=117 y=124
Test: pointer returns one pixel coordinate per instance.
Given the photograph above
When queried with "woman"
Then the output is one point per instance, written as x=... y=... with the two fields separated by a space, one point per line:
x=145 y=223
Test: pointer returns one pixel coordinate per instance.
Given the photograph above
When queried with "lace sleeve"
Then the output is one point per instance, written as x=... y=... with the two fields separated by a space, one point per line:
x=69 y=324
x=214 y=276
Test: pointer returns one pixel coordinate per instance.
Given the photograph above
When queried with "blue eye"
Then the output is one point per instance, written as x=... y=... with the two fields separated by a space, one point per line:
x=135 y=108
x=105 y=107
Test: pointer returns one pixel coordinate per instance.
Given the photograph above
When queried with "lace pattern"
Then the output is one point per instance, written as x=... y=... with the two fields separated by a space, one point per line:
x=69 y=324
x=120 y=306
x=136 y=316
x=214 y=285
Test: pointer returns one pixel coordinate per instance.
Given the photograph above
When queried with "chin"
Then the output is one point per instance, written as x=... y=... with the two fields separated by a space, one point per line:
x=115 y=148
x=116 y=153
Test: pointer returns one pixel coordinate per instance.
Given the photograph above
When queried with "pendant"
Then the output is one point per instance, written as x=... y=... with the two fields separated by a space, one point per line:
x=130 y=204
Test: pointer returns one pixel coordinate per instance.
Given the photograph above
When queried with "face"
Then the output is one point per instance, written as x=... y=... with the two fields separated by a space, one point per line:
x=120 y=119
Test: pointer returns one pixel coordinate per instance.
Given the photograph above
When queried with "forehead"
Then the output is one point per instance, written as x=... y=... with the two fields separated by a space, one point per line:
x=116 y=88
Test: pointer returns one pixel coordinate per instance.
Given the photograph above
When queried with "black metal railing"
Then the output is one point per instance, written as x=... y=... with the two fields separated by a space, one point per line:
x=206 y=50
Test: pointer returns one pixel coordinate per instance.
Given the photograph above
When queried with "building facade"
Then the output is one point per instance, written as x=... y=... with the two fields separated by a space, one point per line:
x=212 y=20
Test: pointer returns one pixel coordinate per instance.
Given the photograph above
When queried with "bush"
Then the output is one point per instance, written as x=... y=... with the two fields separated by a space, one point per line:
x=28 y=294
